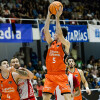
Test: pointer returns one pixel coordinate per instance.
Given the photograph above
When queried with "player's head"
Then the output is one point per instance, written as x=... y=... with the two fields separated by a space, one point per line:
x=71 y=62
x=4 y=64
x=64 y=32
x=15 y=62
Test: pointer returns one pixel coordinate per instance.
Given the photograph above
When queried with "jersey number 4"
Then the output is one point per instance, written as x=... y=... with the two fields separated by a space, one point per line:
x=8 y=96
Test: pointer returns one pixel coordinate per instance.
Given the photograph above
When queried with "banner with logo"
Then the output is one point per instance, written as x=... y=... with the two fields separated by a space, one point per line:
x=23 y=33
x=76 y=33
x=94 y=33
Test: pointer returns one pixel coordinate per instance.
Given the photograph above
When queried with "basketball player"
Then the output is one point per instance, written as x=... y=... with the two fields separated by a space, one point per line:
x=8 y=80
x=79 y=74
x=74 y=85
x=54 y=60
x=25 y=87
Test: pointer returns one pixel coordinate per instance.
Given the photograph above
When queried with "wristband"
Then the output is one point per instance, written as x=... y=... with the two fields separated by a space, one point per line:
x=87 y=88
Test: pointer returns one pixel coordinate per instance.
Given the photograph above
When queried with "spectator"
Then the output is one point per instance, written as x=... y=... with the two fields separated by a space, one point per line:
x=34 y=59
x=94 y=72
x=13 y=16
x=95 y=83
x=6 y=11
x=30 y=67
x=38 y=74
x=79 y=63
x=10 y=4
x=39 y=90
x=39 y=67
x=90 y=64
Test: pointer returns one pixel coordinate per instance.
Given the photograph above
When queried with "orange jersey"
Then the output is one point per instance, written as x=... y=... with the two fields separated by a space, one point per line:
x=55 y=57
x=8 y=88
x=78 y=76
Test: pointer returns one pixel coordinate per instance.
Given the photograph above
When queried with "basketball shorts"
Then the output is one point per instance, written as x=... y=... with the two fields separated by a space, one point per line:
x=52 y=81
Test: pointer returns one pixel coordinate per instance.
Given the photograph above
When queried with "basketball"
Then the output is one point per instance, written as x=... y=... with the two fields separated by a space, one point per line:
x=55 y=5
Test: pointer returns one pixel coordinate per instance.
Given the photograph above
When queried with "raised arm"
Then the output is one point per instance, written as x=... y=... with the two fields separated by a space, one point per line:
x=59 y=33
x=46 y=29
x=22 y=73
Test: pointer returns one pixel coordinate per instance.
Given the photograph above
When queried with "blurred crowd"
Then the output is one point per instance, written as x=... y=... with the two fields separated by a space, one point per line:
x=37 y=9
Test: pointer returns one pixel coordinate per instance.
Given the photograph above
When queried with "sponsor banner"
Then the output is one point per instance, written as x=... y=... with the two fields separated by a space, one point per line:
x=23 y=33
x=94 y=33
x=76 y=33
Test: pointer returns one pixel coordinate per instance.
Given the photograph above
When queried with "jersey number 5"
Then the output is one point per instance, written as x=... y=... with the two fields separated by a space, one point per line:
x=54 y=61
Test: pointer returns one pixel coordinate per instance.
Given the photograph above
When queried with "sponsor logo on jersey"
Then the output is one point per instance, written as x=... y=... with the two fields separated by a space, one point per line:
x=54 y=53
x=57 y=46
x=76 y=75
x=67 y=84
x=10 y=82
x=48 y=88
x=7 y=90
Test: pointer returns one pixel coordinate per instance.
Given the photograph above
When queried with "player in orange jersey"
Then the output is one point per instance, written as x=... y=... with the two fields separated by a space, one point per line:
x=56 y=75
x=8 y=80
x=79 y=74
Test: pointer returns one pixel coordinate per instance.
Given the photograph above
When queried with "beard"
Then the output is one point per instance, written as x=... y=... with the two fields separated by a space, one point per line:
x=16 y=66
x=71 y=66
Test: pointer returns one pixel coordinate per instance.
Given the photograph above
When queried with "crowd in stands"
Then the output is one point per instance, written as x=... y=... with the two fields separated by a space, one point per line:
x=37 y=9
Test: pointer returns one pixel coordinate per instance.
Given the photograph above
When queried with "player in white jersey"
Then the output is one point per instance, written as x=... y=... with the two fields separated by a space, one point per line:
x=25 y=87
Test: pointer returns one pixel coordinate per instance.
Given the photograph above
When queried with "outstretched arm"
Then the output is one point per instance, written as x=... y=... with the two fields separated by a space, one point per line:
x=46 y=29
x=22 y=73
x=84 y=82
x=66 y=43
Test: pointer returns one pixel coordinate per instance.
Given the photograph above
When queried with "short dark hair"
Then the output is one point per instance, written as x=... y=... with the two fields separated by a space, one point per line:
x=14 y=57
x=64 y=32
x=70 y=57
x=3 y=60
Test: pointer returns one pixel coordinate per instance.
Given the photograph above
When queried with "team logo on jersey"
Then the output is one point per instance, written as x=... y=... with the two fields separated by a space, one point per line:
x=10 y=82
x=76 y=75
x=67 y=84
x=57 y=46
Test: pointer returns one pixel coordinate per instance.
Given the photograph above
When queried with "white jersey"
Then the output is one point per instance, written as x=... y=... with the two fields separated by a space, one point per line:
x=58 y=92
x=25 y=88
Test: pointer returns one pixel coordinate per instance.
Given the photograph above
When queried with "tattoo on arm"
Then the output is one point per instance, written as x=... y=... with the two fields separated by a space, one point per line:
x=21 y=72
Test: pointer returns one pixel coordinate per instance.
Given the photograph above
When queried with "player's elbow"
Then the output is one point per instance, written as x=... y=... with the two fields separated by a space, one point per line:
x=31 y=76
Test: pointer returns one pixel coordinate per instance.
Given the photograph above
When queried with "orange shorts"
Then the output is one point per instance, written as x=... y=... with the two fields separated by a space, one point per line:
x=78 y=97
x=52 y=81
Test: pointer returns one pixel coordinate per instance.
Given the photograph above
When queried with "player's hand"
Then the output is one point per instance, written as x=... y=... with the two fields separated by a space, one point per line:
x=59 y=12
x=88 y=91
x=12 y=69
x=49 y=14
